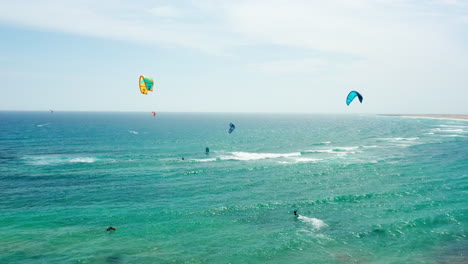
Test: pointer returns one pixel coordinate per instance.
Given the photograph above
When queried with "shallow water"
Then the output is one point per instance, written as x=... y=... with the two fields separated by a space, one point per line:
x=369 y=189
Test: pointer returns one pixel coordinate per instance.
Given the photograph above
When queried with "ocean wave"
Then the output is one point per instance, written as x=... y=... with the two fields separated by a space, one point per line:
x=298 y=160
x=338 y=149
x=204 y=160
x=284 y=158
x=82 y=160
x=316 y=223
x=318 y=151
x=246 y=156
x=400 y=228
x=455 y=130
x=57 y=160
x=400 y=139
x=238 y=208
x=452 y=126
x=42 y=125
x=323 y=143
x=355 y=198
x=335 y=150
x=133 y=132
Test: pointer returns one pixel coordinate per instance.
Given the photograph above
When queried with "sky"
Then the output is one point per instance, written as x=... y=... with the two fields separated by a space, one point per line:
x=281 y=56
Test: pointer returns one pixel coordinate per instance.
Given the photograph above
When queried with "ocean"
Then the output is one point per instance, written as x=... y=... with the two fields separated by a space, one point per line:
x=367 y=188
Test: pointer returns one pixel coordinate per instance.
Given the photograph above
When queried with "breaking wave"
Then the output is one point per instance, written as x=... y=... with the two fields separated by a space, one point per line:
x=316 y=223
x=246 y=156
x=57 y=160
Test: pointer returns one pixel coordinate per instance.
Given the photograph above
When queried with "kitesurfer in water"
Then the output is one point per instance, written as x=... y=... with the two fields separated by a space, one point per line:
x=295 y=213
x=110 y=228
x=183 y=158
x=207 y=150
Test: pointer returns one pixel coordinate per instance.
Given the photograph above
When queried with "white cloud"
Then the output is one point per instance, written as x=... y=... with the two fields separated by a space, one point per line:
x=361 y=27
x=121 y=20
x=385 y=35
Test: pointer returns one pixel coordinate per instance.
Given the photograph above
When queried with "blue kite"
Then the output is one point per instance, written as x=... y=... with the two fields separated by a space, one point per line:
x=231 y=128
x=353 y=95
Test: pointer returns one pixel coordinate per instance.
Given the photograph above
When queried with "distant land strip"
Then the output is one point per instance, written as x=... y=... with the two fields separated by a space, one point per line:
x=462 y=117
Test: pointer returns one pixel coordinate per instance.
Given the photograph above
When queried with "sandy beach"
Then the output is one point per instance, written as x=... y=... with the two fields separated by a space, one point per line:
x=461 y=117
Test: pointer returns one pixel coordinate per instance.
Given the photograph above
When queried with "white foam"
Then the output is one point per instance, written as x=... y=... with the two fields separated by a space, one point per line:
x=344 y=148
x=298 y=160
x=400 y=139
x=453 y=131
x=452 y=136
x=442 y=131
x=42 y=125
x=406 y=139
x=39 y=162
x=320 y=151
x=133 y=132
x=204 y=160
x=452 y=126
x=245 y=156
x=316 y=223
x=57 y=160
x=335 y=150
x=83 y=160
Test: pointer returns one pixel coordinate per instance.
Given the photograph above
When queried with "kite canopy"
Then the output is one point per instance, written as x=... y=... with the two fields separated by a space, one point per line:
x=154 y=114
x=231 y=128
x=353 y=95
x=146 y=84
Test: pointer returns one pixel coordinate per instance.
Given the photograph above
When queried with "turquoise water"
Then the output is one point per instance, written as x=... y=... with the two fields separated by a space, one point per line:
x=368 y=189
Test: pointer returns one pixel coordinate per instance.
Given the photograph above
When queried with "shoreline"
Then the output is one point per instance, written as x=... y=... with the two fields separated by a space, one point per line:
x=434 y=116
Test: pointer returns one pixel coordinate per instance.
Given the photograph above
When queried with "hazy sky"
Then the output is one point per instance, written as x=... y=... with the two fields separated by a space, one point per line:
x=404 y=56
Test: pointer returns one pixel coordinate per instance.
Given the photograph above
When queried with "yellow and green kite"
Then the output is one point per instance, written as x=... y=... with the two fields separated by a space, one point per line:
x=146 y=84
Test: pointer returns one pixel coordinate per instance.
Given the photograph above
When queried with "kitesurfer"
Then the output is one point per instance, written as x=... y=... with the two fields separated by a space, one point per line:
x=110 y=228
x=207 y=150
x=183 y=158
x=295 y=213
